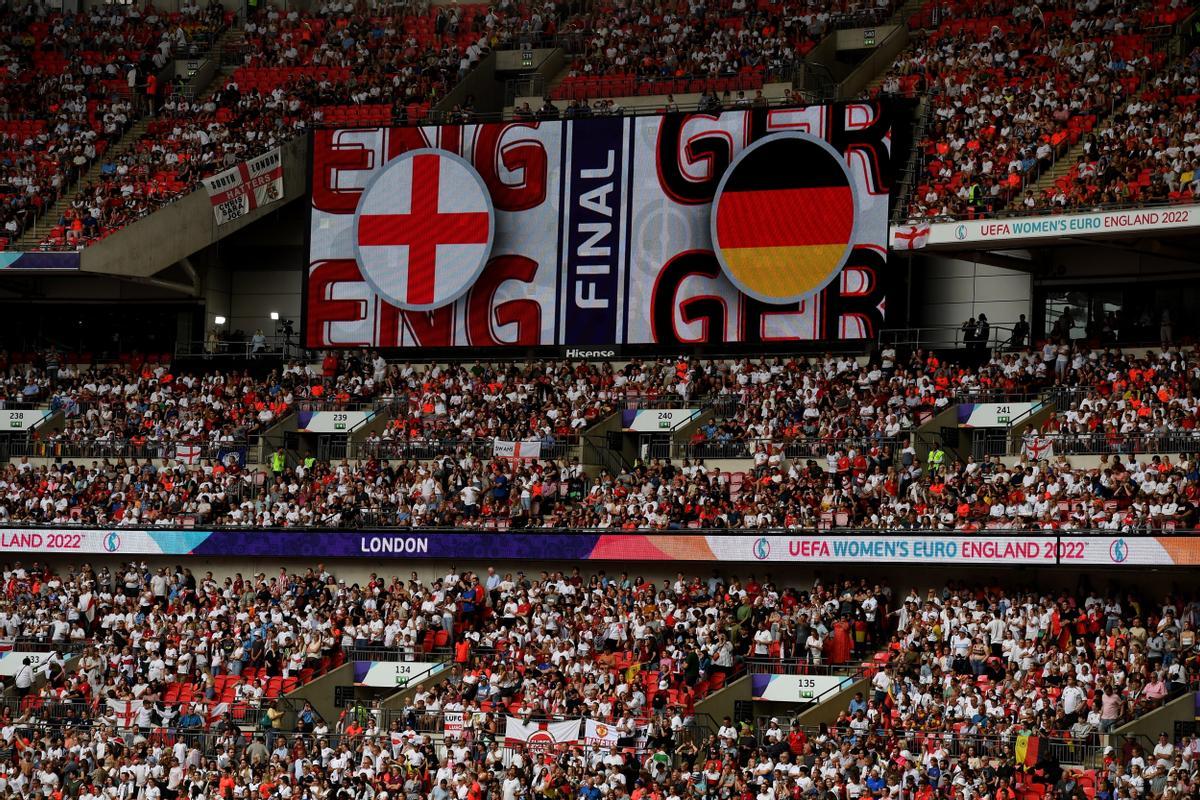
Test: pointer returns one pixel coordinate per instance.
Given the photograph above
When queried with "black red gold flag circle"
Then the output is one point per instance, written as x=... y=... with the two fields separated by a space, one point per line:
x=784 y=217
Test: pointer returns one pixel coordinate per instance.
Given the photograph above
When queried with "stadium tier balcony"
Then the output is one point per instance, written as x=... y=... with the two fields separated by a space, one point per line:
x=801 y=445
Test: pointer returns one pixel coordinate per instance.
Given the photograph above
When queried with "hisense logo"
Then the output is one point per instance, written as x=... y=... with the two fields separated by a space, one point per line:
x=575 y=353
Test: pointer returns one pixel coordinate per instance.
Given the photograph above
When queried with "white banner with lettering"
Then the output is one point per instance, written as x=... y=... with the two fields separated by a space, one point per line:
x=540 y=735
x=394 y=674
x=1017 y=231
x=599 y=734
x=252 y=184
x=452 y=724
x=530 y=448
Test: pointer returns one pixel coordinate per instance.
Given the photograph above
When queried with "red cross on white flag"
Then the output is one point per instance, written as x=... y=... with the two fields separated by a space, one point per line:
x=1037 y=448
x=910 y=237
x=126 y=711
x=530 y=448
x=423 y=229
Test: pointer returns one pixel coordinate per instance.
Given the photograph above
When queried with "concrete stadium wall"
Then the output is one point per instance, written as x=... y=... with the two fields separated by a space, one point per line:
x=953 y=289
x=255 y=293
x=721 y=704
x=891 y=40
x=319 y=692
x=1162 y=720
x=187 y=226
x=828 y=711
x=655 y=102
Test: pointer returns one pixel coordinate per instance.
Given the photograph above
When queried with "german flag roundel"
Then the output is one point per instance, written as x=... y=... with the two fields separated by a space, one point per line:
x=783 y=217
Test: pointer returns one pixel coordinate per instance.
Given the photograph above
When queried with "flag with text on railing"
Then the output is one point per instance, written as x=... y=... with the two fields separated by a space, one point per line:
x=530 y=448
x=1037 y=447
x=251 y=184
x=540 y=735
x=599 y=734
x=452 y=724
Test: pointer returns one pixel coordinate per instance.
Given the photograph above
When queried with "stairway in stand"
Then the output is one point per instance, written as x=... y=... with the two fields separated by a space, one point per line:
x=46 y=223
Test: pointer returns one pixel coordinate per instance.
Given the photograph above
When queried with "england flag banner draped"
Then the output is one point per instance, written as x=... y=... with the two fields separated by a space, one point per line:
x=125 y=711
x=752 y=226
x=252 y=184
x=540 y=735
x=1037 y=447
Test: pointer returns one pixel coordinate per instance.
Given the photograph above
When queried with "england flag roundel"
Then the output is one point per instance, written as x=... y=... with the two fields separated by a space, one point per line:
x=423 y=229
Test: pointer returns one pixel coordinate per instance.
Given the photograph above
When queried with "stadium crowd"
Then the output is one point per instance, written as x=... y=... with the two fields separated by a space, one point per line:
x=1146 y=152
x=143 y=406
x=73 y=85
x=712 y=48
x=334 y=65
x=1014 y=85
x=298 y=69
x=1113 y=402
x=826 y=443
x=957 y=674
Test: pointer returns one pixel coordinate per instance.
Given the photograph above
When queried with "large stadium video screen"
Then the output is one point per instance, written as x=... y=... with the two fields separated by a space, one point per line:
x=753 y=226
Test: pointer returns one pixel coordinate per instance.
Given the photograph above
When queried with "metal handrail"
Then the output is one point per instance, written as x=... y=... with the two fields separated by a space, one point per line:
x=1111 y=443
x=798 y=447
x=26 y=645
x=758 y=665
x=1010 y=213
x=424 y=449
x=570 y=41
x=275 y=346
x=35 y=447
x=441 y=655
x=938 y=335
x=325 y=404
